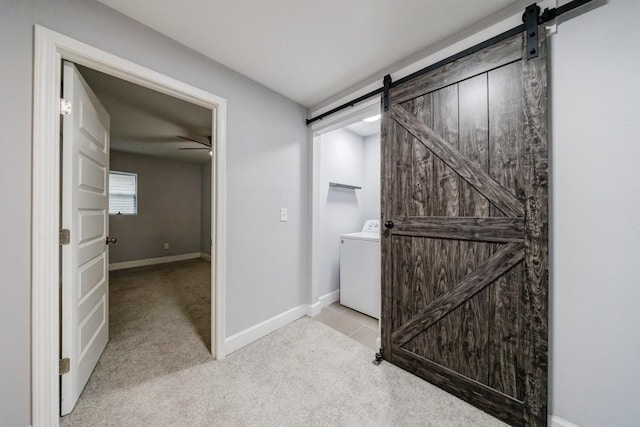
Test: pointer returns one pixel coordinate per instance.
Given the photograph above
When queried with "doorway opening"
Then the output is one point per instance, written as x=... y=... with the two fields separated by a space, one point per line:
x=346 y=211
x=136 y=197
x=50 y=50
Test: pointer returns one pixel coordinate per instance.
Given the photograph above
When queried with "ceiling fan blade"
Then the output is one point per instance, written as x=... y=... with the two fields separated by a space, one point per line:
x=186 y=138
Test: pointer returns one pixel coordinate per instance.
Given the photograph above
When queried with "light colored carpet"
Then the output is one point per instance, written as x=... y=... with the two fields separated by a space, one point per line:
x=156 y=370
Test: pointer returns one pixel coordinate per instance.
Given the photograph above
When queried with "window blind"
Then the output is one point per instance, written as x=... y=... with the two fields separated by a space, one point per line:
x=123 y=193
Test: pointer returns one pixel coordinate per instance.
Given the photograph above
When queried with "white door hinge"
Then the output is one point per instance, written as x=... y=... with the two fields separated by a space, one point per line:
x=65 y=107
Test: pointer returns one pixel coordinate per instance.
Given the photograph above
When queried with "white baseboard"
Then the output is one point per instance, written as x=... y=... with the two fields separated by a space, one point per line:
x=205 y=257
x=329 y=298
x=254 y=333
x=312 y=310
x=315 y=308
x=152 y=261
x=556 y=421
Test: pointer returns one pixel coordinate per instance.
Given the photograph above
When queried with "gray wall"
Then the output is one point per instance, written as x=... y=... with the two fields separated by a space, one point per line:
x=345 y=158
x=169 y=195
x=267 y=161
x=205 y=213
x=595 y=249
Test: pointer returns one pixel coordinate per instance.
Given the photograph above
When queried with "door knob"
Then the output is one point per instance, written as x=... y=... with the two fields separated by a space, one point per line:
x=112 y=240
x=388 y=224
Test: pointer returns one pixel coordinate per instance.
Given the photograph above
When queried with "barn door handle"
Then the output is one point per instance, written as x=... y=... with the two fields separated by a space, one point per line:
x=389 y=224
x=111 y=240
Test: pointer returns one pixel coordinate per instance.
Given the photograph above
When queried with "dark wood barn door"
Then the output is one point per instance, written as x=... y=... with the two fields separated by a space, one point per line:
x=464 y=254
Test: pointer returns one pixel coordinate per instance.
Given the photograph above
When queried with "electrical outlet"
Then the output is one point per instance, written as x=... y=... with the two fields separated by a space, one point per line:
x=166 y=245
x=284 y=215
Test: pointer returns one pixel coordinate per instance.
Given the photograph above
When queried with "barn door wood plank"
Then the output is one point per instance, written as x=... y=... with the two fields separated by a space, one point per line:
x=473 y=141
x=445 y=335
x=536 y=235
x=486 y=229
x=501 y=261
x=506 y=152
x=479 y=179
x=495 y=56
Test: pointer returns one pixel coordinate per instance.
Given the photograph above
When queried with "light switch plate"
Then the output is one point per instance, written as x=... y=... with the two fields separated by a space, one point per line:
x=284 y=215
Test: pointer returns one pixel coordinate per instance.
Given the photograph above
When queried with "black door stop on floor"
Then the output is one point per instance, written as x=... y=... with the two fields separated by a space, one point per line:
x=378 y=360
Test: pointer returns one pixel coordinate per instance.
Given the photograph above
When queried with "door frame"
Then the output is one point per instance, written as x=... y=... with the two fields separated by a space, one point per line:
x=50 y=48
x=319 y=128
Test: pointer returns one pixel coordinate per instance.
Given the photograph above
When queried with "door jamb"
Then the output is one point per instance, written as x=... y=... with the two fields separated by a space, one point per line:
x=50 y=48
x=326 y=125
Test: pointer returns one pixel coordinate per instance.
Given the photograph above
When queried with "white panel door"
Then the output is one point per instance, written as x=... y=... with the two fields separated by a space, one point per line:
x=85 y=260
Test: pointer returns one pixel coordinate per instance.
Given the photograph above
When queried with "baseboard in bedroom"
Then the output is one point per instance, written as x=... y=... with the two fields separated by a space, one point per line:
x=205 y=257
x=152 y=261
x=556 y=421
x=254 y=333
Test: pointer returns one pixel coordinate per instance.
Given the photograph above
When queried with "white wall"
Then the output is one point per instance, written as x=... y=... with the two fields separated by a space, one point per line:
x=595 y=213
x=268 y=150
x=341 y=154
x=370 y=194
x=345 y=158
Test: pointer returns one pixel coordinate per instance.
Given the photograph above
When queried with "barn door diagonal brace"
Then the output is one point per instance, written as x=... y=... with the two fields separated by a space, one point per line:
x=530 y=18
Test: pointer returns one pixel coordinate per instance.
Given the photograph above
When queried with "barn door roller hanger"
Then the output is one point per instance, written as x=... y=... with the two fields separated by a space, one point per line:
x=531 y=19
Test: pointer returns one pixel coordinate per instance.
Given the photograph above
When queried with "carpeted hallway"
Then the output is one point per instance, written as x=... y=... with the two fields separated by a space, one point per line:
x=157 y=370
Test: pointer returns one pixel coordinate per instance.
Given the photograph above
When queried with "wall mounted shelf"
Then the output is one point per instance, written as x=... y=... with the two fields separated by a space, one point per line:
x=350 y=187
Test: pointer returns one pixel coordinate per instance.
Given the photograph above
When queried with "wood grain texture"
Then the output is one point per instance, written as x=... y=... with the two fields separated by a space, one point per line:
x=464 y=179
x=462 y=228
x=536 y=235
x=473 y=144
x=507 y=155
x=387 y=286
x=445 y=123
x=501 y=261
x=446 y=334
x=499 y=405
x=415 y=175
x=479 y=179
x=495 y=56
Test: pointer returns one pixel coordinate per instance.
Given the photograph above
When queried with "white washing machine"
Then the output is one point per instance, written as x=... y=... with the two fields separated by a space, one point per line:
x=360 y=269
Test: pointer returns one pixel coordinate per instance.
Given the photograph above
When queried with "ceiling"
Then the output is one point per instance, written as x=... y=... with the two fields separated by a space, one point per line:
x=364 y=129
x=147 y=122
x=308 y=50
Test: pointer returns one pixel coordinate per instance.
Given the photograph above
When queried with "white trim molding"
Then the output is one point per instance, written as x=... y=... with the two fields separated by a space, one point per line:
x=205 y=257
x=254 y=333
x=50 y=48
x=329 y=298
x=556 y=421
x=153 y=261
x=314 y=309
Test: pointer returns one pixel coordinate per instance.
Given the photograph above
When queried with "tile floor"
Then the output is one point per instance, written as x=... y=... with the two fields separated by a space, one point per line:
x=351 y=323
